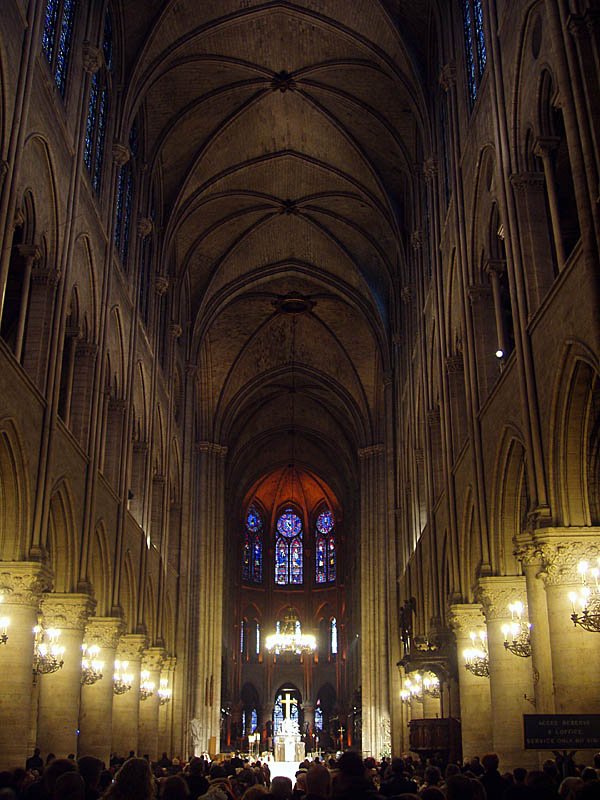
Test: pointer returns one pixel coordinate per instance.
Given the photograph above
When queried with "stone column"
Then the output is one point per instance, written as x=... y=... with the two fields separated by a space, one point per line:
x=58 y=710
x=21 y=584
x=152 y=662
x=575 y=652
x=165 y=710
x=126 y=707
x=475 y=698
x=207 y=714
x=375 y=654
x=511 y=678
x=95 y=715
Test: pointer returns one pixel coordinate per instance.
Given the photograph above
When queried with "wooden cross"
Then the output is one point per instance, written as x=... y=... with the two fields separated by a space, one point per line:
x=288 y=701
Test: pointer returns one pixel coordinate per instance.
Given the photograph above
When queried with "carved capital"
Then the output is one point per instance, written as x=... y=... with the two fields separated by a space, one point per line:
x=120 y=153
x=433 y=416
x=455 y=364
x=416 y=239
x=430 y=168
x=419 y=455
x=175 y=330
x=45 y=276
x=92 y=58
x=212 y=448
x=559 y=561
x=544 y=146
x=104 y=631
x=67 y=611
x=577 y=27
x=145 y=226
x=29 y=252
x=388 y=378
x=496 y=593
x=87 y=350
x=464 y=618
x=526 y=181
x=152 y=659
x=495 y=266
x=447 y=77
x=479 y=293
x=3 y=171
x=191 y=369
x=140 y=447
x=22 y=582
x=131 y=647
x=169 y=664
x=372 y=451
x=161 y=284
x=406 y=293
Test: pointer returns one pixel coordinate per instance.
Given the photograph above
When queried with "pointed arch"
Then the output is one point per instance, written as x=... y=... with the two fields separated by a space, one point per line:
x=61 y=540
x=14 y=494
x=510 y=501
x=101 y=570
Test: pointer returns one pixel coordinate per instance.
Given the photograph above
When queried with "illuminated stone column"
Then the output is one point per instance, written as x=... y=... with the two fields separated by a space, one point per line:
x=152 y=662
x=21 y=584
x=58 y=710
x=575 y=652
x=126 y=707
x=475 y=698
x=511 y=677
x=95 y=715
x=165 y=710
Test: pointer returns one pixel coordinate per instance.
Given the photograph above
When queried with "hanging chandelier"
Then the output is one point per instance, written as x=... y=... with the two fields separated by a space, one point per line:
x=4 y=623
x=123 y=680
x=164 y=692
x=419 y=685
x=47 y=653
x=288 y=637
x=517 y=634
x=91 y=667
x=586 y=602
x=476 y=658
x=146 y=686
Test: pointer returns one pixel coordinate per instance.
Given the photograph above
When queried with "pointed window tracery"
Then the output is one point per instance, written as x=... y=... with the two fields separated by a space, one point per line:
x=289 y=549
x=124 y=200
x=325 y=555
x=253 y=547
x=476 y=51
x=95 y=128
x=57 y=38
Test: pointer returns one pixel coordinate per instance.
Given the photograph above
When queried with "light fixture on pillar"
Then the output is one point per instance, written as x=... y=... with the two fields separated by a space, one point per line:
x=123 y=679
x=164 y=692
x=517 y=634
x=586 y=602
x=288 y=637
x=420 y=684
x=146 y=686
x=4 y=623
x=476 y=657
x=47 y=653
x=91 y=666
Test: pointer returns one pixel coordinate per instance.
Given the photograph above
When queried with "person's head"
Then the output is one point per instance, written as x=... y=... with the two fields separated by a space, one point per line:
x=350 y=764
x=134 y=781
x=460 y=787
x=397 y=766
x=569 y=786
x=589 y=774
x=54 y=770
x=318 y=781
x=36 y=751
x=281 y=786
x=432 y=793
x=519 y=774
x=69 y=786
x=245 y=778
x=432 y=776
x=490 y=762
x=256 y=792
x=174 y=788
x=300 y=785
x=451 y=769
x=90 y=769
x=217 y=772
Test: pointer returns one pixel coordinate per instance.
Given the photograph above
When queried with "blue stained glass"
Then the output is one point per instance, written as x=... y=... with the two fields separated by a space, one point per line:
x=471 y=73
x=127 y=216
x=252 y=564
x=325 y=522
x=64 y=45
x=253 y=721
x=296 y=562
x=281 y=563
x=107 y=42
x=277 y=716
x=480 y=35
x=119 y=207
x=101 y=128
x=90 y=125
x=253 y=520
x=49 y=32
x=246 y=561
x=334 y=642
x=257 y=561
x=318 y=719
x=331 y=566
x=294 y=713
x=289 y=524
x=321 y=556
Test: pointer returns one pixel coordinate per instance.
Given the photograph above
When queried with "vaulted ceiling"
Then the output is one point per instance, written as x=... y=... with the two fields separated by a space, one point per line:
x=285 y=138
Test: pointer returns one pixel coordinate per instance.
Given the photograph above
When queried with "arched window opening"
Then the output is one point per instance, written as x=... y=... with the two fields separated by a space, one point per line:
x=252 y=562
x=124 y=199
x=565 y=188
x=318 y=717
x=145 y=278
x=475 y=48
x=289 y=549
x=15 y=293
x=97 y=116
x=333 y=637
x=498 y=277
x=325 y=555
x=57 y=38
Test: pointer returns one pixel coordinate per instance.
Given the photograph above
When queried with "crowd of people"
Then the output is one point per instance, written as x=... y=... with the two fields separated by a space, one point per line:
x=345 y=777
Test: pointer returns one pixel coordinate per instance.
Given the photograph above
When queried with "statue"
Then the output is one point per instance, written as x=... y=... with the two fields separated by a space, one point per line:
x=196 y=729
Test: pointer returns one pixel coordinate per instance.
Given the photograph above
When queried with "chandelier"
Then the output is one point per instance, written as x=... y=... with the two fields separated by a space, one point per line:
x=4 y=623
x=476 y=657
x=288 y=637
x=91 y=667
x=146 y=686
x=587 y=600
x=47 y=653
x=164 y=692
x=422 y=683
x=517 y=634
x=123 y=679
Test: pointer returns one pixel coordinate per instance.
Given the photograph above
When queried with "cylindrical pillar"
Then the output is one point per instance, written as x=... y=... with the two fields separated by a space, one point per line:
x=165 y=711
x=95 y=716
x=58 y=710
x=152 y=661
x=475 y=698
x=21 y=584
x=126 y=707
x=511 y=678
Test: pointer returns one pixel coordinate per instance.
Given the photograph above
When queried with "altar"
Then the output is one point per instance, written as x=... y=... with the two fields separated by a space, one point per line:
x=288 y=743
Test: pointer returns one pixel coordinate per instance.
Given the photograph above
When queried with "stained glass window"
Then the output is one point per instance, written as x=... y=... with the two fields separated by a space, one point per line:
x=325 y=561
x=242 y=635
x=476 y=52
x=253 y=547
x=289 y=549
x=334 y=641
x=57 y=37
x=253 y=720
x=257 y=639
x=124 y=202
x=97 y=115
x=318 y=718
x=277 y=716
